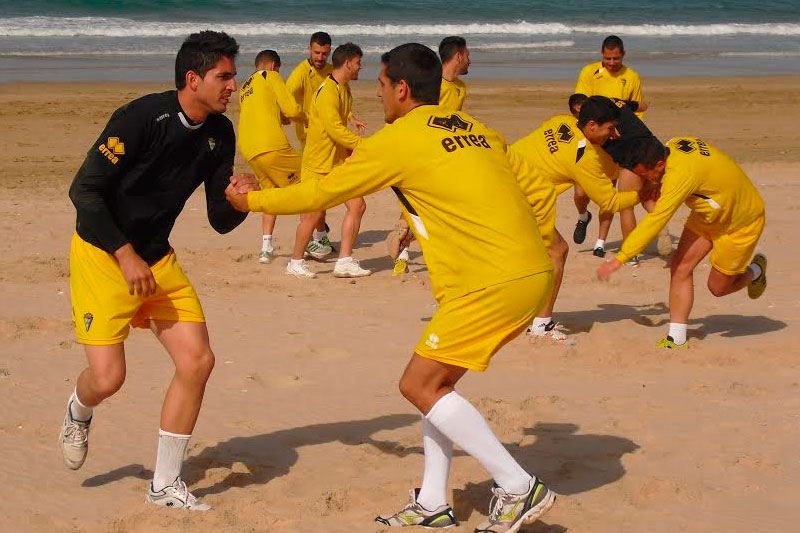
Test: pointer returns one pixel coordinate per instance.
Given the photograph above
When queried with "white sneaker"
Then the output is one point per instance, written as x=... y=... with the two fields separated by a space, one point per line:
x=300 y=270
x=177 y=496
x=551 y=330
x=318 y=250
x=351 y=269
x=265 y=257
x=74 y=440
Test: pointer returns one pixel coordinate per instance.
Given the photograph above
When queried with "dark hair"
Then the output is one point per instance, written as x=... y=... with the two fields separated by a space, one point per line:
x=646 y=151
x=345 y=52
x=576 y=99
x=611 y=42
x=200 y=52
x=598 y=109
x=419 y=67
x=449 y=46
x=268 y=56
x=321 y=38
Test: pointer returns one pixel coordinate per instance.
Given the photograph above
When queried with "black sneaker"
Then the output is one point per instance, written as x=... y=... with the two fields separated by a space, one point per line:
x=599 y=252
x=579 y=235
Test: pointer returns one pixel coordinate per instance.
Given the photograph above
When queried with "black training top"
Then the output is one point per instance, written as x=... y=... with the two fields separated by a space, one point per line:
x=630 y=128
x=139 y=173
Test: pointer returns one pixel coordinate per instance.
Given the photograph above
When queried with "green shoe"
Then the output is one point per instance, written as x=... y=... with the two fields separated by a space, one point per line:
x=508 y=512
x=413 y=514
x=758 y=285
x=668 y=342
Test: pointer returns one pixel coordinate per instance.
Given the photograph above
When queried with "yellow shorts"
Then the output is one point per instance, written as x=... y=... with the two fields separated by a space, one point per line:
x=467 y=331
x=102 y=308
x=731 y=252
x=276 y=169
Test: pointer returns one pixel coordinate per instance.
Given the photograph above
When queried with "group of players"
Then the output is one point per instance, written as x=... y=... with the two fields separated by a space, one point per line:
x=453 y=176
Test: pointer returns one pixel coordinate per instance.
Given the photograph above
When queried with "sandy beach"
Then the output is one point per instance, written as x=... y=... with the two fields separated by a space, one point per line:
x=303 y=428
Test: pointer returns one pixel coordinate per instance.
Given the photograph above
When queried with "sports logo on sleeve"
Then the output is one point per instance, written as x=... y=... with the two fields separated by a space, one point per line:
x=452 y=123
x=112 y=149
x=565 y=134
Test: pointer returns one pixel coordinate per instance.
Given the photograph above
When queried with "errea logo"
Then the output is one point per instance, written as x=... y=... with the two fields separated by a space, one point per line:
x=433 y=341
x=112 y=148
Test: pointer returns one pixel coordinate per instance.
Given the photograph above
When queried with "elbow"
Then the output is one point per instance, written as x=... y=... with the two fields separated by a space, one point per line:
x=226 y=226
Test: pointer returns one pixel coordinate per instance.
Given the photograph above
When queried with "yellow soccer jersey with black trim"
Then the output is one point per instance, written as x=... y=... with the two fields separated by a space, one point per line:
x=538 y=190
x=709 y=182
x=303 y=83
x=262 y=100
x=596 y=80
x=452 y=94
x=329 y=141
x=560 y=152
x=458 y=193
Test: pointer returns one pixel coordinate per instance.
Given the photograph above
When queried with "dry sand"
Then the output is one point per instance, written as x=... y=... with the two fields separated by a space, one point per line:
x=303 y=428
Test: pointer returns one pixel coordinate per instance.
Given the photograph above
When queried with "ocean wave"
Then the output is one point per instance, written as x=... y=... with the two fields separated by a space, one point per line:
x=121 y=27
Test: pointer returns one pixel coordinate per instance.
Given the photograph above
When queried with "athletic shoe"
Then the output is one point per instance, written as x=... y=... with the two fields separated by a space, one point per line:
x=599 y=252
x=265 y=257
x=301 y=270
x=413 y=514
x=757 y=287
x=669 y=342
x=635 y=261
x=400 y=267
x=177 y=496
x=664 y=243
x=550 y=329
x=325 y=241
x=351 y=269
x=318 y=250
x=508 y=512
x=400 y=237
x=579 y=235
x=74 y=440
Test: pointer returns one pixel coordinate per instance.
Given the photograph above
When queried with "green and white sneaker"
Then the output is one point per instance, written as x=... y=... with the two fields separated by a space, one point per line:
x=758 y=285
x=508 y=512
x=318 y=250
x=176 y=496
x=325 y=241
x=413 y=514
x=74 y=440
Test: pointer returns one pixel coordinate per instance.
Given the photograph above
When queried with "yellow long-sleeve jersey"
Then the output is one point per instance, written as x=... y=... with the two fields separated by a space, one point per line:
x=458 y=193
x=538 y=190
x=452 y=95
x=329 y=141
x=303 y=83
x=596 y=80
x=262 y=100
x=560 y=152
x=709 y=182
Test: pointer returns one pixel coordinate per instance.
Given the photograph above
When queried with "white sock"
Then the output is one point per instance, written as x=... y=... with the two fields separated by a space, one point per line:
x=266 y=243
x=318 y=235
x=296 y=262
x=460 y=422
x=677 y=332
x=438 y=453
x=403 y=254
x=79 y=412
x=600 y=243
x=344 y=260
x=583 y=217
x=755 y=269
x=171 y=448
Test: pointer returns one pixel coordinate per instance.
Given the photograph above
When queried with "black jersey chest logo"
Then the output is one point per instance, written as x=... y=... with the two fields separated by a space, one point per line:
x=565 y=134
x=452 y=123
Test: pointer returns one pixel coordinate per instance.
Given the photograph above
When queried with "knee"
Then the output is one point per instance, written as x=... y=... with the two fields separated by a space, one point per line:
x=411 y=391
x=109 y=381
x=197 y=363
x=717 y=289
x=358 y=207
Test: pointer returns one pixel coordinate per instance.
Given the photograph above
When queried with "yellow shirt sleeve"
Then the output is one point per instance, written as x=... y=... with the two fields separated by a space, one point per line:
x=286 y=102
x=636 y=92
x=674 y=192
x=584 y=85
x=295 y=83
x=328 y=102
x=590 y=175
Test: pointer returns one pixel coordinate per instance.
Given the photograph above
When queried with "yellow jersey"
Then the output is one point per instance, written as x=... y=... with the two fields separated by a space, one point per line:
x=596 y=80
x=538 y=190
x=709 y=182
x=303 y=83
x=560 y=152
x=262 y=100
x=329 y=141
x=452 y=95
x=457 y=191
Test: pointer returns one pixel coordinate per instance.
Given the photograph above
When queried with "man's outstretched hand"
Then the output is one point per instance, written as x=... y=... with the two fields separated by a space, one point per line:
x=236 y=191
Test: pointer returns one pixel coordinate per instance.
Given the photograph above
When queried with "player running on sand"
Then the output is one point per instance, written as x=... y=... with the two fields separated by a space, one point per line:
x=727 y=218
x=443 y=166
x=152 y=155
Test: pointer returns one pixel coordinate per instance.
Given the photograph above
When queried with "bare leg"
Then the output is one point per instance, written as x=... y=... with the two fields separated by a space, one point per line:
x=604 y=220
x=268 y=224
x=351 y=224
x=628 y=181
x=188 y=346
x=558 y=251
x=104 y=376
x=692 y=248
x=305 y=229
x=721 y=284
x=580 y=198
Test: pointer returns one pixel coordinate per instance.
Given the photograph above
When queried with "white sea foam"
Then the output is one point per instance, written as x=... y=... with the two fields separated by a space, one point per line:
x=120 y=27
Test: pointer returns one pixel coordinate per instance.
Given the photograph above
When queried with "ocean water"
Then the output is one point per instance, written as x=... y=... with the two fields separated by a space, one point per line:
x=137 y=40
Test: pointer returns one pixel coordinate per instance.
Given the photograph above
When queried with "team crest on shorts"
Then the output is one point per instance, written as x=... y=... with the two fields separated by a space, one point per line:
x=87 y=321
x=433 y=341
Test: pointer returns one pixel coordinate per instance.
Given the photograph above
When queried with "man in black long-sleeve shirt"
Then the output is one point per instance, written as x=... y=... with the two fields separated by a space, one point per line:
x=151 y=156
